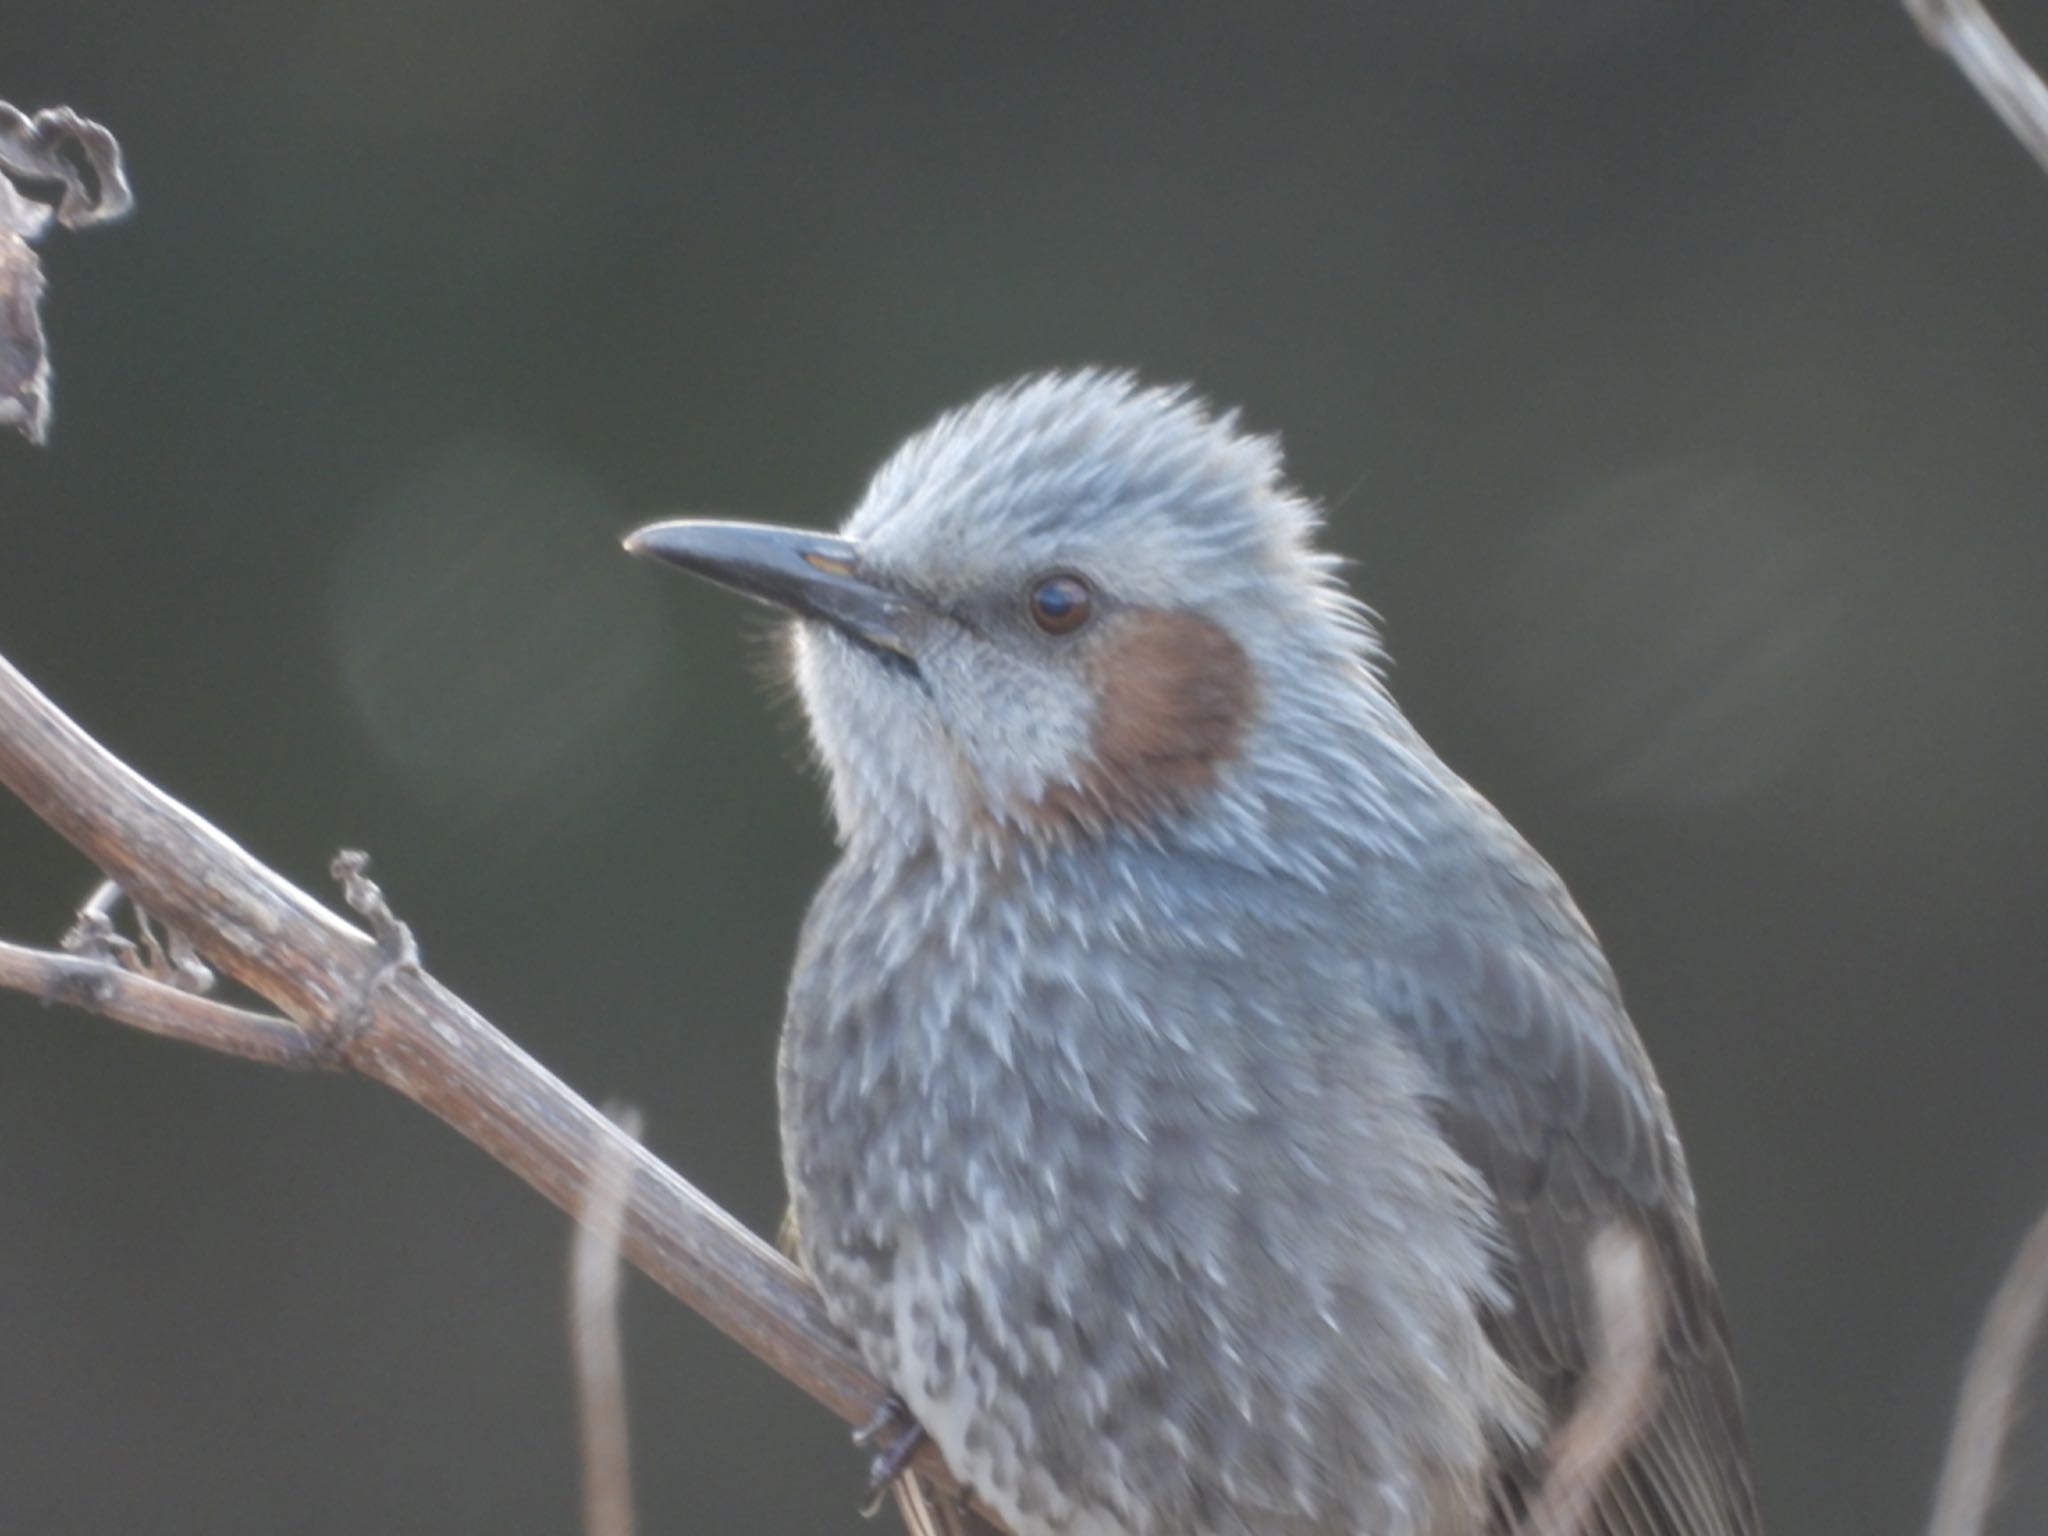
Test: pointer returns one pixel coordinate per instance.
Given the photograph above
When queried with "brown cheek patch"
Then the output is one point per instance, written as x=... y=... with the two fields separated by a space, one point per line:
x=1173 y=698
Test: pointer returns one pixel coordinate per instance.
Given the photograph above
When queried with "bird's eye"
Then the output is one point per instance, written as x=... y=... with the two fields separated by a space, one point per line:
x=1060 y=604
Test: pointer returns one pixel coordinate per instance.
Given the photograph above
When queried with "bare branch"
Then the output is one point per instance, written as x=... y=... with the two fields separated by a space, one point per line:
x=1991 y=1392
x=596 y=1349
x=1618 y=1392
x=367 y=1006
x=1964 y=31
x=102 y=987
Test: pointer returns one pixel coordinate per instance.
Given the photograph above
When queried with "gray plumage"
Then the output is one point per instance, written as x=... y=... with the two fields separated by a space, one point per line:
x=1196 y=1100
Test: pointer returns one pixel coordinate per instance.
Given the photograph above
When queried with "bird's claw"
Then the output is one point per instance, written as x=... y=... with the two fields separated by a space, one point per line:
x=896 y=1435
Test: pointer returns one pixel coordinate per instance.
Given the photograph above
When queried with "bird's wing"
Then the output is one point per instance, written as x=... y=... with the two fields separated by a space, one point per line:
x=1548 y=1094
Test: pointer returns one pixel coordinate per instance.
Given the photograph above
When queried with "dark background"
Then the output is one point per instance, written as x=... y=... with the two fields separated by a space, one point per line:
x=1675 y=372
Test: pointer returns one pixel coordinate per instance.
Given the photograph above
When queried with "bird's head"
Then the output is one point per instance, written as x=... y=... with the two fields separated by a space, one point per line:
x=1073 y=608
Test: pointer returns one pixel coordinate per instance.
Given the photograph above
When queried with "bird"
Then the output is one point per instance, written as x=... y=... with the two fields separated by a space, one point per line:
x=1197 y=1103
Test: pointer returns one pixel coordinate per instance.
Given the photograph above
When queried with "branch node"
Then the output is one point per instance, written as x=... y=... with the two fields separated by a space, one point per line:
x=397 y=949
x=351 y=867
x=93 y=937
x=90 y=984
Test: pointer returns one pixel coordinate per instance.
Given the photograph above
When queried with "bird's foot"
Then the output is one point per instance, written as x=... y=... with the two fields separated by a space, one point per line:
x=896 y=1436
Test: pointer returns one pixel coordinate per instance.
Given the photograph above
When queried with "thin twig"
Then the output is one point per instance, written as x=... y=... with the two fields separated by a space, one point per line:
x=369 y=1007
x=596 y=1349
x=1619 y=1392
x=1964 y=31
x=102 y=987
x=1990 y=1398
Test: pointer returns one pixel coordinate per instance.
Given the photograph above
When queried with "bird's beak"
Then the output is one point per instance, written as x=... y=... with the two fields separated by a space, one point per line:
x=811 y=574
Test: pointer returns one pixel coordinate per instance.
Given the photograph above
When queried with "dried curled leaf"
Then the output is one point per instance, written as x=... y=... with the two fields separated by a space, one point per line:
x=83 y=162
x=24 y=362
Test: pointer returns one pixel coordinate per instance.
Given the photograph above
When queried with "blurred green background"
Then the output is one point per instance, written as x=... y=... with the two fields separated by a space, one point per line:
x=1674 y=371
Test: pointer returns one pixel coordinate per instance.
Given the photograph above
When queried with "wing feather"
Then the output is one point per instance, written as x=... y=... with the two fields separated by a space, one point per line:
x=1548 y=1094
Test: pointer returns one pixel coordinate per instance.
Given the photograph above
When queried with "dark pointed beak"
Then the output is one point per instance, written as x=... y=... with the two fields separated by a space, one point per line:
x=811 y=574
